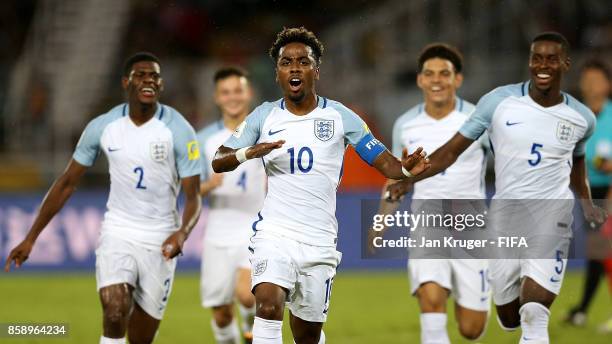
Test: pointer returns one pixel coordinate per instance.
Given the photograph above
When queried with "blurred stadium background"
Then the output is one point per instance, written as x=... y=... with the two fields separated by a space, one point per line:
x=60 y=66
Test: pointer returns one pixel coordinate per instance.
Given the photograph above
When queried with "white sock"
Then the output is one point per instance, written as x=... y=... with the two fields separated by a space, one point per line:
x=433 y=328
x=534 y=323
x=267 y=331
x=105 y=340
x=247 y=315
x=321 y=338
x=226 y=335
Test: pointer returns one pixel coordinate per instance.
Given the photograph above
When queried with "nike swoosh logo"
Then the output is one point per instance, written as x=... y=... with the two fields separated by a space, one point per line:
x=483 y=299
x=270 y=133
x=113 y=150
x=555 y=280
x=413 y=141
x=508 y=123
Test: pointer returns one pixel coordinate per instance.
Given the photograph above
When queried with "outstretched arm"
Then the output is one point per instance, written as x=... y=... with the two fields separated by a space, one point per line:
x=227 y=159
x=54 y=201
x=193 y=205
x=393 y=168
x=440 y=160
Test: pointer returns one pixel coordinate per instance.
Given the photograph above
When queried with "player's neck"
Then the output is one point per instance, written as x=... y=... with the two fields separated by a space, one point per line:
x=142 y=113
x=232 y=123
x=439 y=112
x=547 y=98
x=303 y=107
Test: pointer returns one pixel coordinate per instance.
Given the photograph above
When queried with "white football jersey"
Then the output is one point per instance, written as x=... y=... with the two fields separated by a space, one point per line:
x=304 y=173
x=533 y=145
x=235 y=203
x=146 y=164
x=463 y=179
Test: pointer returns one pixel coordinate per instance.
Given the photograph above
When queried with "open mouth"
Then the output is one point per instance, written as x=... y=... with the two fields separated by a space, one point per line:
x=295 y=84
x=147 y=91
x=436 y=89
x=543 y=76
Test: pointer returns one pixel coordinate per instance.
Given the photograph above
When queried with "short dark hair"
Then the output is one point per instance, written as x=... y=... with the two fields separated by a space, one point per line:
x=553 y=37
x=300 y=35
x=599 y=65
x=226 y=72
x=443 y=51
x=138 y=57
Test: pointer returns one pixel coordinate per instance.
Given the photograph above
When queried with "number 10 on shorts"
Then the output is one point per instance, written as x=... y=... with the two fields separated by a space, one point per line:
x=328 y=287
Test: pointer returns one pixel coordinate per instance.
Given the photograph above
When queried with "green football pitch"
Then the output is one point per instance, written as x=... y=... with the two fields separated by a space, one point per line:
x=366 y=307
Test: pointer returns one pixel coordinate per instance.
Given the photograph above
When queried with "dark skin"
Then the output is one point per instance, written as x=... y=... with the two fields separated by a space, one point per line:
x=296 y=73
x=120 y=313
x=547 y=64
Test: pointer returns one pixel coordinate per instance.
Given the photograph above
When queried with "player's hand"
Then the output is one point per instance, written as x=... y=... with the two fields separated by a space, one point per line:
x=594 y=215
x=19 y=254
x=262 y=149
x=396 y=191
x=173 y=246
x=216 y=179
x=415 y=163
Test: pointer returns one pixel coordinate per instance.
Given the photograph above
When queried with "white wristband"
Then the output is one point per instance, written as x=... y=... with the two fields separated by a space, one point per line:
x=407 y=173
x=241 y=154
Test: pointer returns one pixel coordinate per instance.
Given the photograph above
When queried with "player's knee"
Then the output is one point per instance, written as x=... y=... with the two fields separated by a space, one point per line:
x=116 y=311
x=471 y=330
x=223 y=315
x=432 y=303
x=269 y=311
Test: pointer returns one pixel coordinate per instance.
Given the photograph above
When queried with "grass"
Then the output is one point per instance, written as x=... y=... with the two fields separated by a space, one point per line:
x=366 y=307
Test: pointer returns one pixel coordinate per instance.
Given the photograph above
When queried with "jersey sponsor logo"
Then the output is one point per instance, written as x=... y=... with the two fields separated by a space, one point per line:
x=509 y=124
x=238 y=132
x=565 y=131
x=324 y=129
x=270 y=132
x=260 y=267
x=159 y=150
x=193 y=150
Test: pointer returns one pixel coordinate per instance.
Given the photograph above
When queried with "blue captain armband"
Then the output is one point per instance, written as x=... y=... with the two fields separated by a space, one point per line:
x=369 y=148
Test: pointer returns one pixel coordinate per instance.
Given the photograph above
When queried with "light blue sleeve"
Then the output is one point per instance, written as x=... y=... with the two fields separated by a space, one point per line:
x=186 y=146
x=358 y=135
x=480 y=120
x=590 y=118
x=248 y=132
x=88 y=147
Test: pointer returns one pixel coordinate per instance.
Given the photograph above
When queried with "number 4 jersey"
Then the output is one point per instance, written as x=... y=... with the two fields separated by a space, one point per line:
x=304 y=173
x=533 y=145
x=146 y=164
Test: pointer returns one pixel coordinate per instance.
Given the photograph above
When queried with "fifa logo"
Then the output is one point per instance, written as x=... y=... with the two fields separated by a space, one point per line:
x=324 y=129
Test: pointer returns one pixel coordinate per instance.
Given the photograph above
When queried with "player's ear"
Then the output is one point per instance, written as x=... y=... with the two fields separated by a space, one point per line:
x=125 y=81
x=458 y=80
x=567 y=62
x=317 y=73
x=161 y=84
x=419 y=80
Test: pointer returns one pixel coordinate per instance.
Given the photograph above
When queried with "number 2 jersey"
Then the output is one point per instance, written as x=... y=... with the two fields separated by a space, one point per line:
x=304 y=173
x=146 y=164
x=533 y=145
